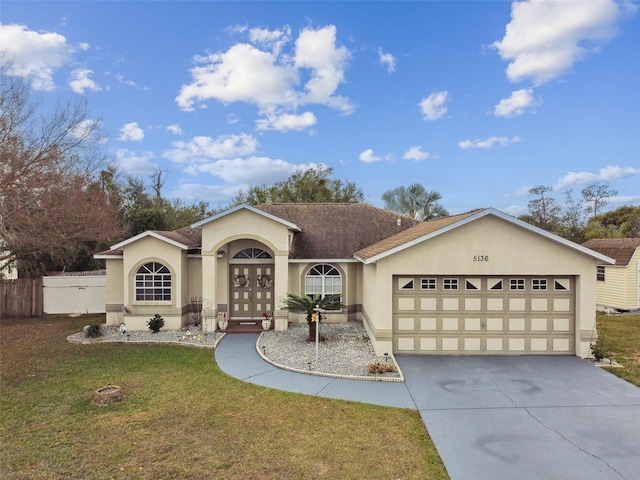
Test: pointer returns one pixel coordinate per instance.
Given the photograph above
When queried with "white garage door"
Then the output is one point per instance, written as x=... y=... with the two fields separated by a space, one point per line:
x=491 y=315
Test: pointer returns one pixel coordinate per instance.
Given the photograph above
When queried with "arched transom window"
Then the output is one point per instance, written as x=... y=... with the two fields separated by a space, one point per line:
x=323 y=279
x=153 y=282
x=252 y=253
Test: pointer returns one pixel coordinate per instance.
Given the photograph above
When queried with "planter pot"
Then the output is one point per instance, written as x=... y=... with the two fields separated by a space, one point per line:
x=223 y=324
x=266 y=324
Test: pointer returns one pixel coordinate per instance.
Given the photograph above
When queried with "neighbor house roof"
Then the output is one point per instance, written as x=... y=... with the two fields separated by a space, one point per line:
x=336 y=230
x=620 y=249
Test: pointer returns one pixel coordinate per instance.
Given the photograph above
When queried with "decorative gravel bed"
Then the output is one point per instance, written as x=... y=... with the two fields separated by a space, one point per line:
x=345 y=352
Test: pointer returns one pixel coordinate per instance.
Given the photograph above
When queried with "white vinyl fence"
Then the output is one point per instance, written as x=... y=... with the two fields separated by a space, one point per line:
x=78 y=292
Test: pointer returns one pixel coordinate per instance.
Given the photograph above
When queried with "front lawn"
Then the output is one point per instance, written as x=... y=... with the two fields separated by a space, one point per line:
x=620 y=336
x=181 y=418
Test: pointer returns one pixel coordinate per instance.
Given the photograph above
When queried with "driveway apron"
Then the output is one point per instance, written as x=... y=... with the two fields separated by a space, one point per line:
x=498 y=418
x=527 y=417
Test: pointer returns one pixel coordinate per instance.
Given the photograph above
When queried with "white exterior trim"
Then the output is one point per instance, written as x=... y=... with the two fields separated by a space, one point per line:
x=149 y=233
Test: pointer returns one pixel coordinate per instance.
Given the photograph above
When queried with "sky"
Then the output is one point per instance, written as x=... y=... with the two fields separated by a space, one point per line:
x=477 y=100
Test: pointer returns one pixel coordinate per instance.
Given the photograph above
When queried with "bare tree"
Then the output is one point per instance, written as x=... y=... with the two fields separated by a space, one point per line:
x=50 y=201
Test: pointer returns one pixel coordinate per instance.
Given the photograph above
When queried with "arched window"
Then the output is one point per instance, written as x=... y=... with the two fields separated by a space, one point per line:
x=252 y=253
x=153 y=282
x=323 y=279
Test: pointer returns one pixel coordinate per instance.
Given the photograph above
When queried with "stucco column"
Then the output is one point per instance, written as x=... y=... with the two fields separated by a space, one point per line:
x=209 y=267
x=281 y=285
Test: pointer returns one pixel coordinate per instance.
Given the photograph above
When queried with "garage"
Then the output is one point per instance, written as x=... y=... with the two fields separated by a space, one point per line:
x=484 y=315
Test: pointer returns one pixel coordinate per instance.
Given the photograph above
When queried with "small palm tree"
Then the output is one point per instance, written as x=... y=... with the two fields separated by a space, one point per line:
x=414 y=201
x=309 y=305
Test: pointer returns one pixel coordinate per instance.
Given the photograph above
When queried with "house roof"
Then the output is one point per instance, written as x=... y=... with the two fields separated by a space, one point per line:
x=620 y=249
x=425 y=230
x=336 y=230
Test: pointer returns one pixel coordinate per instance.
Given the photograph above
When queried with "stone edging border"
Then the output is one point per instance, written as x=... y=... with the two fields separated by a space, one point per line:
x=73 y=339
x=361 y=378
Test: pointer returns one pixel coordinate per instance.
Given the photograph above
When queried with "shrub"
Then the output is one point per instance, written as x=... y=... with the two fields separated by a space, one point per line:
x=598 y=352
x=381 y=367
x=93 y=331
x=156 y=323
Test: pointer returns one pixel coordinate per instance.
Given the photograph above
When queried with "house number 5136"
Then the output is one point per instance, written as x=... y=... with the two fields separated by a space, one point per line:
x=481 y=258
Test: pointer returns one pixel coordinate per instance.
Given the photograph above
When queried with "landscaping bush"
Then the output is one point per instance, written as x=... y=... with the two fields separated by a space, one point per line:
x=93 y=331
x=156 y=323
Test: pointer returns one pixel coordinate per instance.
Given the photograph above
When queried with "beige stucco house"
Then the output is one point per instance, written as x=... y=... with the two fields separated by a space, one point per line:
x=618 y=286
x=477 y=283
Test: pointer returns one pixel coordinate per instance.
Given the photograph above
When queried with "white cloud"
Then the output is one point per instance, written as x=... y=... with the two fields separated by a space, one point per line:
x=200 y=149
x=35 y=55
x=610 y=173
x=86 y=128
x=316 y=50
x=415 y=153
x=133 y=163
x=287 y=121
x=212 y=194
x=270 y=78
x=433 y=107
x=80 y=81
x=368 y=157
x=546 y=37
x=274 y=40
x=249 y=171
x=516 y=103
x=175 y=129
x=488 y=143
x=388 y=60
x=131 y=132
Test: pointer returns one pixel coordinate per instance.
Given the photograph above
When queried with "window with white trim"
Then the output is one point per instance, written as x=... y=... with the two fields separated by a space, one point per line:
x=516 y=284
x=600 y=274
x=539 y=284
x=450 y=284
x=153 y=283
x=323 y=279
x=427 y=283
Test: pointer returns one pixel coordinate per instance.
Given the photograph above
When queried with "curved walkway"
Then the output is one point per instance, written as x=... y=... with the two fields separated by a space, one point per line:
x=236 y=355
x=490 y=417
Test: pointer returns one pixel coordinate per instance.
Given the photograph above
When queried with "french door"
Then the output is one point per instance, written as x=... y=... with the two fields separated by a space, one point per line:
x=251 y=290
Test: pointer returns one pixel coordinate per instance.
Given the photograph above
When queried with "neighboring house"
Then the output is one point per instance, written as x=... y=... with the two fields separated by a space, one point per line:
x=618 y=286
x=477 y=283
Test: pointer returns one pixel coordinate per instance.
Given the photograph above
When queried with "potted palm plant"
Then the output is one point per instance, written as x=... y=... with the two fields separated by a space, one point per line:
x=312 y=306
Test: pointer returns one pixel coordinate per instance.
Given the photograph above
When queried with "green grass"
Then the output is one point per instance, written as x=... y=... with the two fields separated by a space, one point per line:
x=620 y=336
x=181 y=418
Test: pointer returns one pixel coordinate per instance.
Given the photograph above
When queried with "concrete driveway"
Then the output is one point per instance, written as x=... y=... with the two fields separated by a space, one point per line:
x=527 y=417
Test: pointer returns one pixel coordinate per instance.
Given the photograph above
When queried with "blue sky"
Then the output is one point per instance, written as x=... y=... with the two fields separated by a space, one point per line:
x=479 y=101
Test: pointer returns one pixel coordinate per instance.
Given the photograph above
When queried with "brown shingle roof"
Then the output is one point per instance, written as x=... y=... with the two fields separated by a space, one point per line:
x=336 y=230
x=419 y=230
x=620 y=249
x=188 y=236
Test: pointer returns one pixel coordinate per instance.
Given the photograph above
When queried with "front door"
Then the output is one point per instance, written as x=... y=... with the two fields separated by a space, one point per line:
x=251 y=288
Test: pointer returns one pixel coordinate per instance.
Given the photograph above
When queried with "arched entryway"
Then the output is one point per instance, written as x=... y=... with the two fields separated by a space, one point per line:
x=251 y=285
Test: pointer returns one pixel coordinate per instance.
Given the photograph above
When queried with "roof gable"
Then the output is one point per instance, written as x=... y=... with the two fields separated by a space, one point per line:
x=182 y=239
x=432 y=228
x=250 y=208
x=620 y=249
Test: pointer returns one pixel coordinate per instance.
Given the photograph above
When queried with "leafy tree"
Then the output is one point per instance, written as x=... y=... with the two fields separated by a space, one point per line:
x=51 y=203
x=623 y=222
x=596 y=196
x=414 y=201
x=311 y=186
